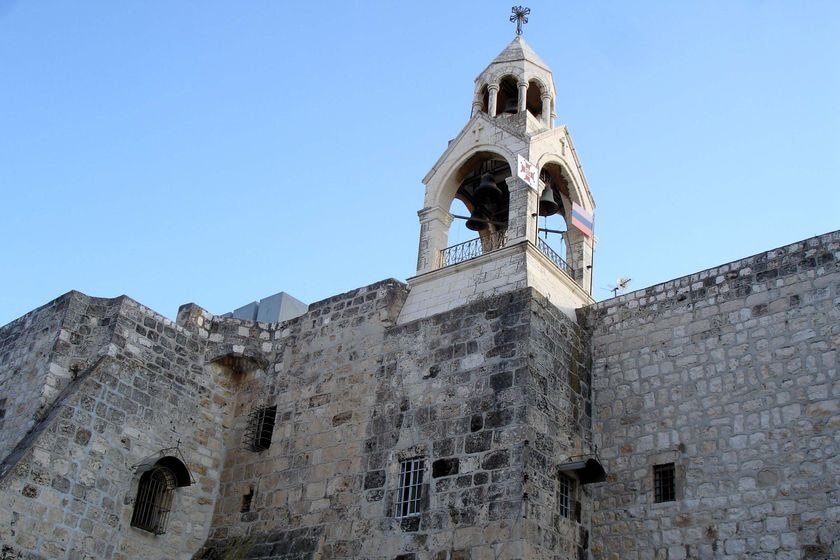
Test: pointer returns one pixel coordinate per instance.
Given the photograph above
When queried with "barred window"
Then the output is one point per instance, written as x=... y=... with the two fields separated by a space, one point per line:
x=154 y=500
x=564 y=498
x=260 y=428
x=411 y=484
x=664 y=484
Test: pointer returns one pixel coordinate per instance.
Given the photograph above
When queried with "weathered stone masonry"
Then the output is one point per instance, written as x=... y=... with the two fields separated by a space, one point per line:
x=458 y=389
x=732 y=374
x=729 y=373
x=131 y=383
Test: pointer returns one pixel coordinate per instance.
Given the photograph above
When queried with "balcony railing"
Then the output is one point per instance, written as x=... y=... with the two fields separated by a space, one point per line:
x=472 y=249
x=552 y=255
x=483 y=245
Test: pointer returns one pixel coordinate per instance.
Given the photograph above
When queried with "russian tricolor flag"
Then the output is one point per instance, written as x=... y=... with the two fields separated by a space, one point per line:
x=582 y=219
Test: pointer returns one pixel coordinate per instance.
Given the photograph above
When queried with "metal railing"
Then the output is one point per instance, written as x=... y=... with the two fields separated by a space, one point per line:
x=471 y=249
x=552 y=255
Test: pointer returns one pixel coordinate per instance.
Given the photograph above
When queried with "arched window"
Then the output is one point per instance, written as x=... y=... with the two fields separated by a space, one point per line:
x=155 y=493
x=507 y=100
x=533 y=99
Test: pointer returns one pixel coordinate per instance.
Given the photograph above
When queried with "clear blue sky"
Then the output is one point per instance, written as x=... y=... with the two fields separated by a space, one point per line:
x=219 y=152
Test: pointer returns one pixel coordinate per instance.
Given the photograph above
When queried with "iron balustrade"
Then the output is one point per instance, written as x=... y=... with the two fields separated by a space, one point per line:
x=483 y=245
x=472 y=249
x=552 y=255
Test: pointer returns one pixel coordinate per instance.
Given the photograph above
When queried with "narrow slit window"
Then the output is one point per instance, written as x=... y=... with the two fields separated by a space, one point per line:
x=664 y=484
x=564 y=499
x=246 y=501
x=411 y=485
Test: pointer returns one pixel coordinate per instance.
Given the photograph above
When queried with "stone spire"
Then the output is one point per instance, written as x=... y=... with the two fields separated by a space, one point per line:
x=519 y=86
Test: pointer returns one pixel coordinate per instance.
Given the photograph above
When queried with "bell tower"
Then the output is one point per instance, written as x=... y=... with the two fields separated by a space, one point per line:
x=525 y=232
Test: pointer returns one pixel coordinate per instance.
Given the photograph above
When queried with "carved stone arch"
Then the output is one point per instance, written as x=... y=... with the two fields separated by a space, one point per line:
x=574 y=190
x=540 y=83
x=240 y=358
x=446 y=190
x=482 y=97
x=578 y=252
x=507 y=100
x=537 y=90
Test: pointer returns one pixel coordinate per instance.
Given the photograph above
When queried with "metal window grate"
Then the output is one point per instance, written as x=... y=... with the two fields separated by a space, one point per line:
x=664 y=487
x=260 y=428
x=411 y=484
x=564 y=500
x=154 y=500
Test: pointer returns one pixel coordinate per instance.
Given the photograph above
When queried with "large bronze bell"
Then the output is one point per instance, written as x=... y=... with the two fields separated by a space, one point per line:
x=478 y=220
x=548 y=205
x=487 y=191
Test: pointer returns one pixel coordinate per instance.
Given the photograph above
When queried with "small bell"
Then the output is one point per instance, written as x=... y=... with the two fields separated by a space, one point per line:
x=548 y=205
x=487 y=191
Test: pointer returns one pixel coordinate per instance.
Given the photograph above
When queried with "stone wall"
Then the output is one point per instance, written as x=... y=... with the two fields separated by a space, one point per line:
x=136 y=386
x=509 y=269
x=25 y=351
x=355 y=395
x=731 y=374
x=559 y=421
x=453 y=286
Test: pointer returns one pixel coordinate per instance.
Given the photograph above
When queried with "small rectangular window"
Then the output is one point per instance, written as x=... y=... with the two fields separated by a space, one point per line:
x=260 y=428
x=411 y=485
x=246 y=501
x=664 y=484
x=564 y=498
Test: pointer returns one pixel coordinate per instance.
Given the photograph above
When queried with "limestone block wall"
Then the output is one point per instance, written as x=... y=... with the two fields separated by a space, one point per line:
x=300 y=490
x=454 y=386
x=732 y=375
x=508 y=269
x=559 y=420
x=355 y=395
x=564 y=293
x=69 y=492
x=503 y=270
x=25 y=350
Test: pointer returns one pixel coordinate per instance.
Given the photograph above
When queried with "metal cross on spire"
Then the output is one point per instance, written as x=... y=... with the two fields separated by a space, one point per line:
x=520 y=16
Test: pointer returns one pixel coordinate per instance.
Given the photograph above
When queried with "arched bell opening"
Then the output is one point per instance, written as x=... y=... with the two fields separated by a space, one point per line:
x=533 y=98
x=480 y=208
x=554 y=212
x=507 y=100
x=484 y=99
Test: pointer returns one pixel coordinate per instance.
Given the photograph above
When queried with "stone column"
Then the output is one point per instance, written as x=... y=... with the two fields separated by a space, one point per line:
x=434 y=232
x=476 y=107
x=547 y=115
x=522 y=223
x=492 y=93
x=523 y=95
x=579 y=257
